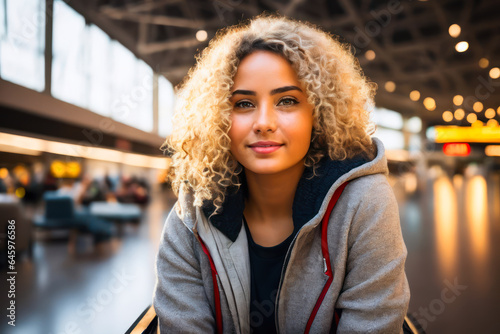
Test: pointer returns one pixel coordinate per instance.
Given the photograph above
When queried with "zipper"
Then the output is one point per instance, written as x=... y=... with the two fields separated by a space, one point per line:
x=324 y=228
x=283 y=271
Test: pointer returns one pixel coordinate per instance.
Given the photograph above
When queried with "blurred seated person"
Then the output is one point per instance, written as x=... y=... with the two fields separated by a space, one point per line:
x=97 y=191
x=132 y=190
x=75 y=190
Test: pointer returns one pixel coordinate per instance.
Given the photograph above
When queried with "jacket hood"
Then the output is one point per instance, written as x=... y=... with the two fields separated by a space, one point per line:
x=309 y=197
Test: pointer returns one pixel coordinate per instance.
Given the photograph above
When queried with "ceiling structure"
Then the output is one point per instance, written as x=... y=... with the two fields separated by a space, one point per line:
x=410 y=40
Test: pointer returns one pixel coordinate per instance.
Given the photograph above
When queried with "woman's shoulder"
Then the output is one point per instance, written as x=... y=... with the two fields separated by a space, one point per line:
x=368 y=189
x=178 y=225
x=366 y=185
x=373 y=204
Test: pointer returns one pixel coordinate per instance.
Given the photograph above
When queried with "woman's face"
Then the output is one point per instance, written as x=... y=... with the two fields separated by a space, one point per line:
x=271 y=118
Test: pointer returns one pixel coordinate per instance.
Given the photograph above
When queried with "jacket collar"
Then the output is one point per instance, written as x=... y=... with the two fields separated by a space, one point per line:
x=307 y=202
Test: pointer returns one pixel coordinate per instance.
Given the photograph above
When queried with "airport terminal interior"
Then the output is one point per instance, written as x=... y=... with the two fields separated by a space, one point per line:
x=87 y=94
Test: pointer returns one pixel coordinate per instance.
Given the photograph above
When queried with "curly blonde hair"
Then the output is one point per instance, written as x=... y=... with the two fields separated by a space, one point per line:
x=335 y=85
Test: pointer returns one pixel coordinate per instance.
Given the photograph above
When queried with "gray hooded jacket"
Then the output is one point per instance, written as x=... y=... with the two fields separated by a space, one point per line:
x=366 y=250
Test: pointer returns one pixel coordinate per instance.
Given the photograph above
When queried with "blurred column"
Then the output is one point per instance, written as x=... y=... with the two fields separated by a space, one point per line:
x=155 y=103
x=421 y=163
x=49 y=11
x=406 y=134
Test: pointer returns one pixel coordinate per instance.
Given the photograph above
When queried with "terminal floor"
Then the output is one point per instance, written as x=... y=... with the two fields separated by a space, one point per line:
x=452 y=233
x=84 y=289
x=451 y=227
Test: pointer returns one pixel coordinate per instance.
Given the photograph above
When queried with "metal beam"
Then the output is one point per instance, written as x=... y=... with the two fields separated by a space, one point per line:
x=379 y=51
x=150 y=48
x=119 y=14
x=147 y=6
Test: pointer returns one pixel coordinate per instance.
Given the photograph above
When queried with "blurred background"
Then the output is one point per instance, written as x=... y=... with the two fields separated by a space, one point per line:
x=86 y=97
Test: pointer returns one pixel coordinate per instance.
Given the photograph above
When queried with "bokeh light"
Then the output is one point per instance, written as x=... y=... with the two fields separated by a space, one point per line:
x=490 y=113
x=390 y=86
x=20 y=192
x=459 y=114
x=462 y=46
x=201 y=35
x=495 y=73
x=429 y=103
x=4 y=172
x=415 y=95
x=458 y=100
x=483 y=62
x=471 y=118
x=454 y=30
x=370 y=55
x=447 y=116
x=478 y=106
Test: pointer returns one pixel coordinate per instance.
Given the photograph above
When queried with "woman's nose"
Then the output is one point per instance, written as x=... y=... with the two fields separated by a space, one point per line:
x=266 y=118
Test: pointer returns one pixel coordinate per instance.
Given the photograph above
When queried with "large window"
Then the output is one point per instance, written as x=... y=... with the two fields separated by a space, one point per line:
x=100 y=64
x=22 y=42
x=392 y=139
x=69 y=75
x=388 y=118
x=132 y=89
x=94 y=72
x=88 y=68
x=390 y=127
x=414 y=126
x=166 y=99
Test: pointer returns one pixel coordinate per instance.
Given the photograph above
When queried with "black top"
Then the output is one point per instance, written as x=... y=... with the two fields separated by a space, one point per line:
x=266 y=264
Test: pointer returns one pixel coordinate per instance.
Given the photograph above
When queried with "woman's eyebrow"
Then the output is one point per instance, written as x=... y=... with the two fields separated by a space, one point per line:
x=274 y=91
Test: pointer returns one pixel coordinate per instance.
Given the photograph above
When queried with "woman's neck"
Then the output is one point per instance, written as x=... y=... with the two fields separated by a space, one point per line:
x=270 y=196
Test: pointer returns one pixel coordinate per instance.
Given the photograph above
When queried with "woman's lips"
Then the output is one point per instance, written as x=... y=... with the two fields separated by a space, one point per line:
x=265 y=147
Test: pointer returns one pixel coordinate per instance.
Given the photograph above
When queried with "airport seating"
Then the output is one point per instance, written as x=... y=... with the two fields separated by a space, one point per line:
x=60 y=213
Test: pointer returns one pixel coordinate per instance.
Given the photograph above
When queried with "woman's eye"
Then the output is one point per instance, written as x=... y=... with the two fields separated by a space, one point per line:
x=243 y=104
x=288 y=102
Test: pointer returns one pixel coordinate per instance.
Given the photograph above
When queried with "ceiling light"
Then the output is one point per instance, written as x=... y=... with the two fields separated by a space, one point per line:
x=429 y=103
x=483 y=62
x=447 y=116
x=490 y=113
x=36 y=145
x=415 y=95
x=201 y=35
x=492 y=123
x=459 y=114
x=478 y=106
x=492 y=150
x=495 y=73
x=454 y=30
x=458 y=100
x=462 y=46
x=390 y=86
x=471 y=118
x=370 y=55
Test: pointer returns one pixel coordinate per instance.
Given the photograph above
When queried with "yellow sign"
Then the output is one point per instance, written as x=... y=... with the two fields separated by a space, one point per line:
x=465 y=134
x=69 y=169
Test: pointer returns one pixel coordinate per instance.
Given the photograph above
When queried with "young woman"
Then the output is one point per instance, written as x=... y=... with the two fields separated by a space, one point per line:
x=285 y=221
